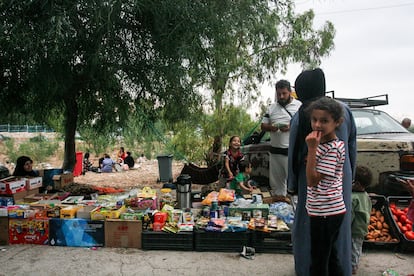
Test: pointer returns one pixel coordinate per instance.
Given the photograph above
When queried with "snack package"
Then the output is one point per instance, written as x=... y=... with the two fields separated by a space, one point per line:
x=226 y=195
x=213 y=196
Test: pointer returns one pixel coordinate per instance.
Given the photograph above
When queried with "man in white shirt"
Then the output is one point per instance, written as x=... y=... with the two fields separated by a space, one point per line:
x=277 y=122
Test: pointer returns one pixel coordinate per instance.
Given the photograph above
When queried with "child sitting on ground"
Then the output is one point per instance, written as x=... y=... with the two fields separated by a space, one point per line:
x=241 y=183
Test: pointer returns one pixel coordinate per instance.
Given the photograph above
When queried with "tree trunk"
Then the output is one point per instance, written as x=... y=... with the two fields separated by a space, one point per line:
x=71 y=118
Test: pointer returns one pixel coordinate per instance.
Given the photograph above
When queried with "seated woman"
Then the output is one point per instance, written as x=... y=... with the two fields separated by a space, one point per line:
x=24 y=167
x=107 y=163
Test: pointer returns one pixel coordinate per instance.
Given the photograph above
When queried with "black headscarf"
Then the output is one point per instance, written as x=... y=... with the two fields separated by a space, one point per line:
x=19 y=170
x=309 y=86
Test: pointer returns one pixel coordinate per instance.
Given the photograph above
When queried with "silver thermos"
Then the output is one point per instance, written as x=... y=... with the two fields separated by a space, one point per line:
x=184 y=191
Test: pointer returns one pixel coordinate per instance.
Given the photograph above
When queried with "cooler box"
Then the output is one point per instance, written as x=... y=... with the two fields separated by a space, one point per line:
x=77 y=170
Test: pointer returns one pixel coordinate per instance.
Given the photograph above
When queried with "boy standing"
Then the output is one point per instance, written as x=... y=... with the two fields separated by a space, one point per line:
x=361 y=208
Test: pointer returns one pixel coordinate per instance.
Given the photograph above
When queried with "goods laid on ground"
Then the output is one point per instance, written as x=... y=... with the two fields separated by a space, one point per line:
x=169 y=219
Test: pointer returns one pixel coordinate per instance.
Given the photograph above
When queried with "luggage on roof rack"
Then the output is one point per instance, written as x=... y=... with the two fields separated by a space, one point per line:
x=362 y=102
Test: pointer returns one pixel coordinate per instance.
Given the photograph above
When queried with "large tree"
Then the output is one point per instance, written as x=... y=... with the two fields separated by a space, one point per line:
x=92 y=61
x=243 y=43
x=97 y=62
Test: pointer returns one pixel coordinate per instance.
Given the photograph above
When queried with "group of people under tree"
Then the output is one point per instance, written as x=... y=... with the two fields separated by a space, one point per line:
x=125 y=161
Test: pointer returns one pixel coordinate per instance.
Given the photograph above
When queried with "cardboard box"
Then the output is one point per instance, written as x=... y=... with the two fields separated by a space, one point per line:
x=4 y=212
x=20 y=196
x=29 y=231
x=33 y=183
x=76 y=232
x=4 y=230
x=123 y=233
x=11 y=185
x=62 y=180
x=101 y=213
x=84 y=212
x=69 y=212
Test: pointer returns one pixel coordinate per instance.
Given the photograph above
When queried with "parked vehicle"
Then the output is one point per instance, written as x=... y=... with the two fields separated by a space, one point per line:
x=383 y=145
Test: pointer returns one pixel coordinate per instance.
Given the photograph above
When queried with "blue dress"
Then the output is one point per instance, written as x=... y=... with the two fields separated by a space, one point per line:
x=297 y=182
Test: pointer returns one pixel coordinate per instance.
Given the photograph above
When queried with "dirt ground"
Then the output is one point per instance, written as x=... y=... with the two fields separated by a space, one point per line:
x=147 y=174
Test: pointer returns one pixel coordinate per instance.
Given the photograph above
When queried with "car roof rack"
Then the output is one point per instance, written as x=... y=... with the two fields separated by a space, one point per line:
x=362 y=102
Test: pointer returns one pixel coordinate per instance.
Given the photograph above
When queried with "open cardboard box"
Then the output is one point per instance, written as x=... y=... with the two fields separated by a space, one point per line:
x=62 y=180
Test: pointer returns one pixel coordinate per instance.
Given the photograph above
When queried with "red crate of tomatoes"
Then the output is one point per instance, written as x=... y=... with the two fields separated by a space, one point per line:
x=398 y=208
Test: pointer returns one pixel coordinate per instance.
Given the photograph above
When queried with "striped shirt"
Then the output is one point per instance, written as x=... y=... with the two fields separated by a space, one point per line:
x=326 y=199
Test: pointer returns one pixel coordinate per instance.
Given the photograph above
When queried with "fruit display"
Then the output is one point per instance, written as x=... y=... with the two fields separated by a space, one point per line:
x=378 y=228
x=398 y=207
x=403 y=223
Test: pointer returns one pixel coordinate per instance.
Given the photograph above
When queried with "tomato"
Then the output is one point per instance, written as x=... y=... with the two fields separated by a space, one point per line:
x=399 y=224
x=409 y=226
x=395 y=218
x=403 y=229
x=403 y=219
x=392 y=205
x=393 y=211
x=405 y=210
x=408 y=221
x=409 y=235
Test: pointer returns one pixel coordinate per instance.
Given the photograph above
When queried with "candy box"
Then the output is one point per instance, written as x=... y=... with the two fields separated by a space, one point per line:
x=11 y=185
x=33 y=183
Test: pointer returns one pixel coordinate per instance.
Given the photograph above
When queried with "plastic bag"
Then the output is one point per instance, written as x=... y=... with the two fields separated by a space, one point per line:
x=226 y=195
x=210 y=198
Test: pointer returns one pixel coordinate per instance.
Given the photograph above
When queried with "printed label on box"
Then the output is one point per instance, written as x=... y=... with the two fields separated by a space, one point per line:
x=12 y=185
x=29 y=231
x=76 y=232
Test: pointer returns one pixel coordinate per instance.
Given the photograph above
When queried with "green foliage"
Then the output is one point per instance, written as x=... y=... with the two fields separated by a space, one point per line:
x=37 y=148
x=97 y=142
x=193 y=138
x=91 y=66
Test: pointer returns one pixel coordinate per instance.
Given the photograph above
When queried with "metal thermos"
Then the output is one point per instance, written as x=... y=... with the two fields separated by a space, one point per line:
x=184 y=191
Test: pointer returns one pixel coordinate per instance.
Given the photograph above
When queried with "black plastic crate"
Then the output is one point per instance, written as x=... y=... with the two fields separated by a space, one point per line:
x=401 y=202
x=273 y=242
x=221 y=241
x=182 y=241
x=380 y=204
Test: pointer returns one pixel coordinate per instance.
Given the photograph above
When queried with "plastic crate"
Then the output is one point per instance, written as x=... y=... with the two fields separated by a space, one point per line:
x=380 y=203
x=401 y=202
x=221 y=241
x=274 y=242
x=182 y=241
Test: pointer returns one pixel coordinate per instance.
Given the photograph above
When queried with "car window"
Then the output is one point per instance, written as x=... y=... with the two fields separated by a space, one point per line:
x=375 y=121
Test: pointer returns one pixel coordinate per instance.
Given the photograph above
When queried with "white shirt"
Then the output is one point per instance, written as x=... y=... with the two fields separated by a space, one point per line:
x=278 y=115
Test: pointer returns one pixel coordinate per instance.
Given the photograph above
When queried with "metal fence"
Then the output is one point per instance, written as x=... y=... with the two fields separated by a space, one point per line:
x=25 y=128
